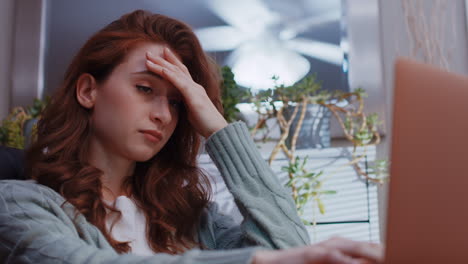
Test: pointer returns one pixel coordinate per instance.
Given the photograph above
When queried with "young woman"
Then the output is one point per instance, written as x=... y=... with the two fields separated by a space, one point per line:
x=113 y=174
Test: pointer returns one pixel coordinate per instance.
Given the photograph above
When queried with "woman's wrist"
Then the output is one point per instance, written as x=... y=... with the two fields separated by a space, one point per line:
x=220 y=124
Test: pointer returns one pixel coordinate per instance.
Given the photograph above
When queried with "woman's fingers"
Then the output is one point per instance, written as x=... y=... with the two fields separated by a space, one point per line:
x=158 y=69
x=365 y=250
x=160 y=61
x=321 y=254
x=169 y=61
x=180 y=82
x=312 y=254
x=172 y=58
x=173 y=73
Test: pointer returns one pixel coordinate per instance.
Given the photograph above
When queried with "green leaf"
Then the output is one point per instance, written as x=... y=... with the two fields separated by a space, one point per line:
x=364 y=136
x=328 y=192
x=320 y=205
x=360 y=92
x=231 y=94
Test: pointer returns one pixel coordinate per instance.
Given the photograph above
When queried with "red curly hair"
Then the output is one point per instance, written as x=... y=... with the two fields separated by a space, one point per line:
x=170 y=188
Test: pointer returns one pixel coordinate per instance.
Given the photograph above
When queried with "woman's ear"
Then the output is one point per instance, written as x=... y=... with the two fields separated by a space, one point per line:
x=86 y=90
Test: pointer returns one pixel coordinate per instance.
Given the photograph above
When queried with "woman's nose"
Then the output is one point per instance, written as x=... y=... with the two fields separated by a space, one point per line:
x=161 y=111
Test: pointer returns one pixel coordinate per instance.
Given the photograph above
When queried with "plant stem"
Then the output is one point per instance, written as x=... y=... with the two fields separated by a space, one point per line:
x=285 y=133
x=298 y=128
x=261 y=121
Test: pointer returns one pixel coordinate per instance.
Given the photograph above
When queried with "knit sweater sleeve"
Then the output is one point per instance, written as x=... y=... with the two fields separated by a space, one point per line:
x=35 y=228
x=270 y=217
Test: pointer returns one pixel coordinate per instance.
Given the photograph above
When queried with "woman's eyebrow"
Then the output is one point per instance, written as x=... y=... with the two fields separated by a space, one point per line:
x=148 y=73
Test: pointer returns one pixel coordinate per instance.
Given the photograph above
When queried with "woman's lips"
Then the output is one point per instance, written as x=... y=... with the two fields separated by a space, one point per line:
x=152 y=135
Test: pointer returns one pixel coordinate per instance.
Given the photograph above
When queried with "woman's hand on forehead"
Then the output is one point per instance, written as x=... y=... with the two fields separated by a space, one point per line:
x=202 y=113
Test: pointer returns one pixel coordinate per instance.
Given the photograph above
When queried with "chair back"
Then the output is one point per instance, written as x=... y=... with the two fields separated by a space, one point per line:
x=11 y=163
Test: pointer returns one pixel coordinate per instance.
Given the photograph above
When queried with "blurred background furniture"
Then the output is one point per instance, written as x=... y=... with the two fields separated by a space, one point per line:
x=11 y=164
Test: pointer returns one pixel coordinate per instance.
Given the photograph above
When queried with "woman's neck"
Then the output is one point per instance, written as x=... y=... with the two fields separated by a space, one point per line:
x=115 y=170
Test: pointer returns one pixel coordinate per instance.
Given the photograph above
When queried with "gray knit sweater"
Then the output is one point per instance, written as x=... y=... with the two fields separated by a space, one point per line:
x=34 y=228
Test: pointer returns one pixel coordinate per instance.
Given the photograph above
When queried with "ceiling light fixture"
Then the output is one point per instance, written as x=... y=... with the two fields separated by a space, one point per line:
x=264 y=45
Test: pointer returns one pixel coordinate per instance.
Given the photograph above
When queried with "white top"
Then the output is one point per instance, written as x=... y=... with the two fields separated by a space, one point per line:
x=131 y=226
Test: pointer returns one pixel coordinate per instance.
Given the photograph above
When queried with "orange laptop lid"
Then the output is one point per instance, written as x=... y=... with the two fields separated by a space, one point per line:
x=428 y=198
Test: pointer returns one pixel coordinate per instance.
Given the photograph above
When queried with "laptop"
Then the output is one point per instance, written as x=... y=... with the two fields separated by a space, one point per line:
x=427 y=220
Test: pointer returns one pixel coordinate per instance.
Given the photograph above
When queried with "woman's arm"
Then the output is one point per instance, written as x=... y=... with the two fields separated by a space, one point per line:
x=35 y=229
x=270 y=217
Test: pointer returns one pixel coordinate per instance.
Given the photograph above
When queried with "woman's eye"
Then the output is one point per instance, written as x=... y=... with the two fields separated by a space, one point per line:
x=144 y=89
x=175 y=103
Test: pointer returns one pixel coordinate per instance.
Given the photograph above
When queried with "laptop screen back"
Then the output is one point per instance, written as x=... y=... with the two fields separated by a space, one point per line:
x=428 y=197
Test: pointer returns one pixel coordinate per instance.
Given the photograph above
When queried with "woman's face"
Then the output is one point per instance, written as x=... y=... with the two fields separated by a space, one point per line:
x=135 y=111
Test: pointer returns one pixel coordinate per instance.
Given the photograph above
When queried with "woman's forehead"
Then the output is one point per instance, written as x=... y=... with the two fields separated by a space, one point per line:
x=136 y=58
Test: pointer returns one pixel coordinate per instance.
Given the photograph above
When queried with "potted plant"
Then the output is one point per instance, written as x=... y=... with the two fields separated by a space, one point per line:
x=18 y=129
x=289 y=106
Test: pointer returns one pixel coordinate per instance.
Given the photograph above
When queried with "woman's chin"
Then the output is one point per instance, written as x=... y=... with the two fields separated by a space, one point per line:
x=142 y=159
x=141 y=155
